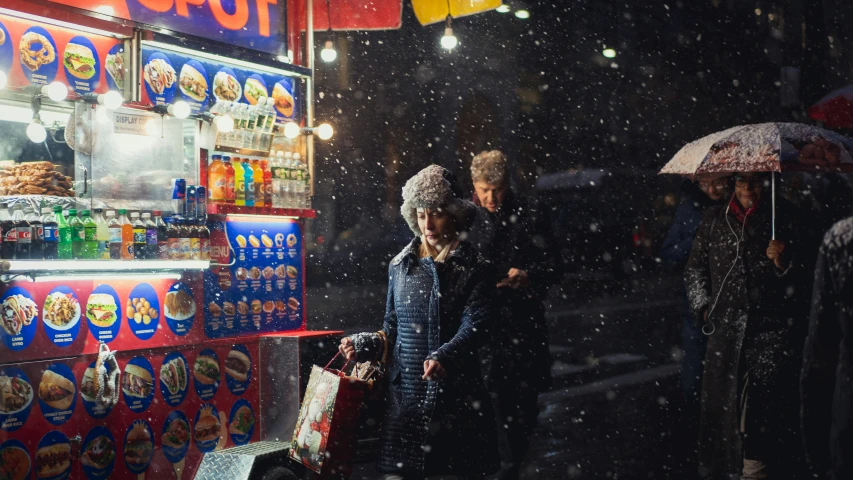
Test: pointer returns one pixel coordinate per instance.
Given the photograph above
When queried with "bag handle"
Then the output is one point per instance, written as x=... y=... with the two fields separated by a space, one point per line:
x=333 y=359
x=384 y=347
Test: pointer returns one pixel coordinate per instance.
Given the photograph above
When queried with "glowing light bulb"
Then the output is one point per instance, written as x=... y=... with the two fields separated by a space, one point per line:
x=112 y=100
x=503 y=9
x=36 y=131
x=2 y=79
x=180 y=109
x=325 y=131
x=55 y=91
x=522 y=14
x=609 y=53
x=449 y=40
x=329 y=54
x=224 y=123
x=292 y=130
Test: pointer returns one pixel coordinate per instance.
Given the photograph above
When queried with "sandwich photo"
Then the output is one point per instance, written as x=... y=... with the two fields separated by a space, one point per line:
x=207 y=427
x=256 y=306
x=98 y=453
x=292 y=272
x=80 y=61
x=176 y=435
x=15 y=394
x=101 y=310
x=14 y=461
x=192 y=83
x=56 y=390
x=226 y=87
x=242 y=422
x=229 y=309
x=237 y=365
x=139 y=447
x=114 y=65
x=18 y=312
x=173 y=374
x=53 y=460
x=206 y=370
x=87 y=385
x=283 y=100
x=136 y=381
x=254 y=90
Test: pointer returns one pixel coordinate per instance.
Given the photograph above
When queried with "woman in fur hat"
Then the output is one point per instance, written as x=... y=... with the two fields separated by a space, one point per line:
x=439 y=419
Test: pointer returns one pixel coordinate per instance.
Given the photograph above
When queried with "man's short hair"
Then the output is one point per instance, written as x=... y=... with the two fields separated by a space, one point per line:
x=490 y=167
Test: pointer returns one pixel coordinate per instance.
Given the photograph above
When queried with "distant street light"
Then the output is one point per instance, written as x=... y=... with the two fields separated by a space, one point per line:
x=328 y=53
x=503 y=9
x=449 y=40
x=609 y=53
x=522 y=14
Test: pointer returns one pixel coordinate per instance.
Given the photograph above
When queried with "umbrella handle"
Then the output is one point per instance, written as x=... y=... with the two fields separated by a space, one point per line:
x=773 y=200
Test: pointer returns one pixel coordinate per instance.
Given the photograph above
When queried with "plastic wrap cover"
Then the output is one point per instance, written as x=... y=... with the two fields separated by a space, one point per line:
x=40 y=201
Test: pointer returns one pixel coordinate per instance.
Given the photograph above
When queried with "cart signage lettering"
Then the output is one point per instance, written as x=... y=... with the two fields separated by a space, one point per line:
x=129 y=124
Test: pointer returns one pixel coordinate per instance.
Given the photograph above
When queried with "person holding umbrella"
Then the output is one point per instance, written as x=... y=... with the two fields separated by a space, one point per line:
x=748 y=290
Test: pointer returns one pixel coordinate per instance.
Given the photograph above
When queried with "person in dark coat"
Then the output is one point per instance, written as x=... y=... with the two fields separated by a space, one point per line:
x=709 y=190
x=748 y=291
x=514 y=235
x=826 y=384
x=439 y=419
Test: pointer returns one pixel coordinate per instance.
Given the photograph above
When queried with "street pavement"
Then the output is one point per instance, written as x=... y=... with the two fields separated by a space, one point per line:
x=615 y=410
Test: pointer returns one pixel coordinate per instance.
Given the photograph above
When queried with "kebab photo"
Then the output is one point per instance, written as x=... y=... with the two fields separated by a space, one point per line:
x=18 y=312
x=15 y=394
x=56 y=390
x=136 y=382
x=173 y=374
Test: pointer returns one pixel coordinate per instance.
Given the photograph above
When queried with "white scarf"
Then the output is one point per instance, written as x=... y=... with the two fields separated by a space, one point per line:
x=426 y=250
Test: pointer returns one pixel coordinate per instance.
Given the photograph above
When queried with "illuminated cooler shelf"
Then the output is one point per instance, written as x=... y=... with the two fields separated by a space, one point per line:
x=220 y=209
x=83 y=269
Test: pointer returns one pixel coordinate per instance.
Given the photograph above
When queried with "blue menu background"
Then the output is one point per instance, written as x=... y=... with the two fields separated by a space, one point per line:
x=263 y=290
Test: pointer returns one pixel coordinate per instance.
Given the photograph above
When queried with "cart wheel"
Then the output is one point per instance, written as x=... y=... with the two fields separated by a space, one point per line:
x=278 y=473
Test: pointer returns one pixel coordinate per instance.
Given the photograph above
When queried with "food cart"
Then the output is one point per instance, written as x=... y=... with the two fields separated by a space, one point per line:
x=123 y=105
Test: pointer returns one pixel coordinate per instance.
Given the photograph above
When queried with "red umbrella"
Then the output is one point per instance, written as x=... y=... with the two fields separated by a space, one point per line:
x=836 y=109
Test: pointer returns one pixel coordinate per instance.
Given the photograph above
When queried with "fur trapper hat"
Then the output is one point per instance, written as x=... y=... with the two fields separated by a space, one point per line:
x=436 y=187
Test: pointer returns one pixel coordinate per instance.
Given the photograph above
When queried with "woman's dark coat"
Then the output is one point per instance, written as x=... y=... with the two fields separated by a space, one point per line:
x=760 y=318
x=827 y=379
x=435 y=311
x=519 y=235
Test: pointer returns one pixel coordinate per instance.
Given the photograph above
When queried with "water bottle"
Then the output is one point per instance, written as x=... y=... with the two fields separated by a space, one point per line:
x=114 y=235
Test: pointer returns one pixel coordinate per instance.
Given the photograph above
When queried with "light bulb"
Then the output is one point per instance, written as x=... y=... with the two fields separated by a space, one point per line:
x=325 y=131
x=609 y=53
x=328 y=53
x=55 y=91
x=151 y=127
x=180 y=109
x=112 y=100
x=292 y=130
x=503 y=9
x=522 y=14
x=224 y=123
x=2 y=79
x=449 y=40
x=36 y=132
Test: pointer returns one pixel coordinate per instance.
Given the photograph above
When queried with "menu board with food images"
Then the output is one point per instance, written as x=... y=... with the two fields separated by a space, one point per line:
x=170 y=76
x=38 y=54
x=263 y=290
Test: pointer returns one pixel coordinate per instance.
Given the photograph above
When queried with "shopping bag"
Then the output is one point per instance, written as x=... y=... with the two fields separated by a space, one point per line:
x=324 y=439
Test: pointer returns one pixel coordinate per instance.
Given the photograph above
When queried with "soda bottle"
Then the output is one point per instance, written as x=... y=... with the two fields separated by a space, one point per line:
x=200 y=203
x=114 y=235
x=189 y=210
x=162 y=236
x=151 y=247
x=174 y=238
x=184 y=240
x=63 y=229
x=204 y=241
x=258 y=178
x=23 y=234
x=195 y=241
x=127 y=240
x=239 y=183
x=103 y=235
x=78 y=234
x=216 y=180
x=249 y=178
x=51 y=233
x=36 y=232
x=229 y=180
x=9 y=232
x=140 y=252
x=267 y=174
x=90 y=240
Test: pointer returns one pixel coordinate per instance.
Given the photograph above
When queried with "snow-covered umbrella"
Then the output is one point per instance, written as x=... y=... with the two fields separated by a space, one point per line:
x=765 y=147
x=835 y=110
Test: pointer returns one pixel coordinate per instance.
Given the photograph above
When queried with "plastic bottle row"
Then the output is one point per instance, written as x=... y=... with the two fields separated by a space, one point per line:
x=281 y=181
x=251 y=126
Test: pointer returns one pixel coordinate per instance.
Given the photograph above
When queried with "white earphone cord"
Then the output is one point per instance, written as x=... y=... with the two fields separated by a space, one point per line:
x=738 y=240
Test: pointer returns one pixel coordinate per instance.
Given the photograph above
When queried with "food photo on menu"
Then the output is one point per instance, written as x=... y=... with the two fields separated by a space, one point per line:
x=101 y=309
x=56 y=391
x=206 y=370
x=173 y=374
x=15 y=394
x=98 y=453
x=53 y=460
x=14 y=461
x=136 y=381
x=138 y=446
x=61 y=310
x=18 y=312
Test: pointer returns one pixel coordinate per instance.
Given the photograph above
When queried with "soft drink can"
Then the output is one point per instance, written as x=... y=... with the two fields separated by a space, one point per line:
x=179 y=196
x=200 y=202
x=191 y=201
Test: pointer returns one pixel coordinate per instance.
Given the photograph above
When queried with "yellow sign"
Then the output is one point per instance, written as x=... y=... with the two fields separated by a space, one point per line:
x=434 y=11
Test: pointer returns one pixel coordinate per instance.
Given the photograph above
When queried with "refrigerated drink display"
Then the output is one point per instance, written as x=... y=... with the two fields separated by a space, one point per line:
x=249 y=179
x=216 y=180
x=258 y=180
x=239 y=182
x=78 y=234
x=151 y=247
x=90 y=241
x=114 y=235
x=103 y=235
x=162 y=236
x=140 y=250
x=51 y=234
x=127 y=240
x=10 y=234
x=66 y=241
x=173 y=236
x=267 y=174
x=229 y=180
x=36 y=233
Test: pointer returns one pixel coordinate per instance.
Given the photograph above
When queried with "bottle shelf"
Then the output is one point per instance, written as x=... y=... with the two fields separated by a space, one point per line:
x=224 y=209
x=85 y=269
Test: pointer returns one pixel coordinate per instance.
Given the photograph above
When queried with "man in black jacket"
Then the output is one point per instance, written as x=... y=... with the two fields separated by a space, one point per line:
x=826 y=385
x=514 y=235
